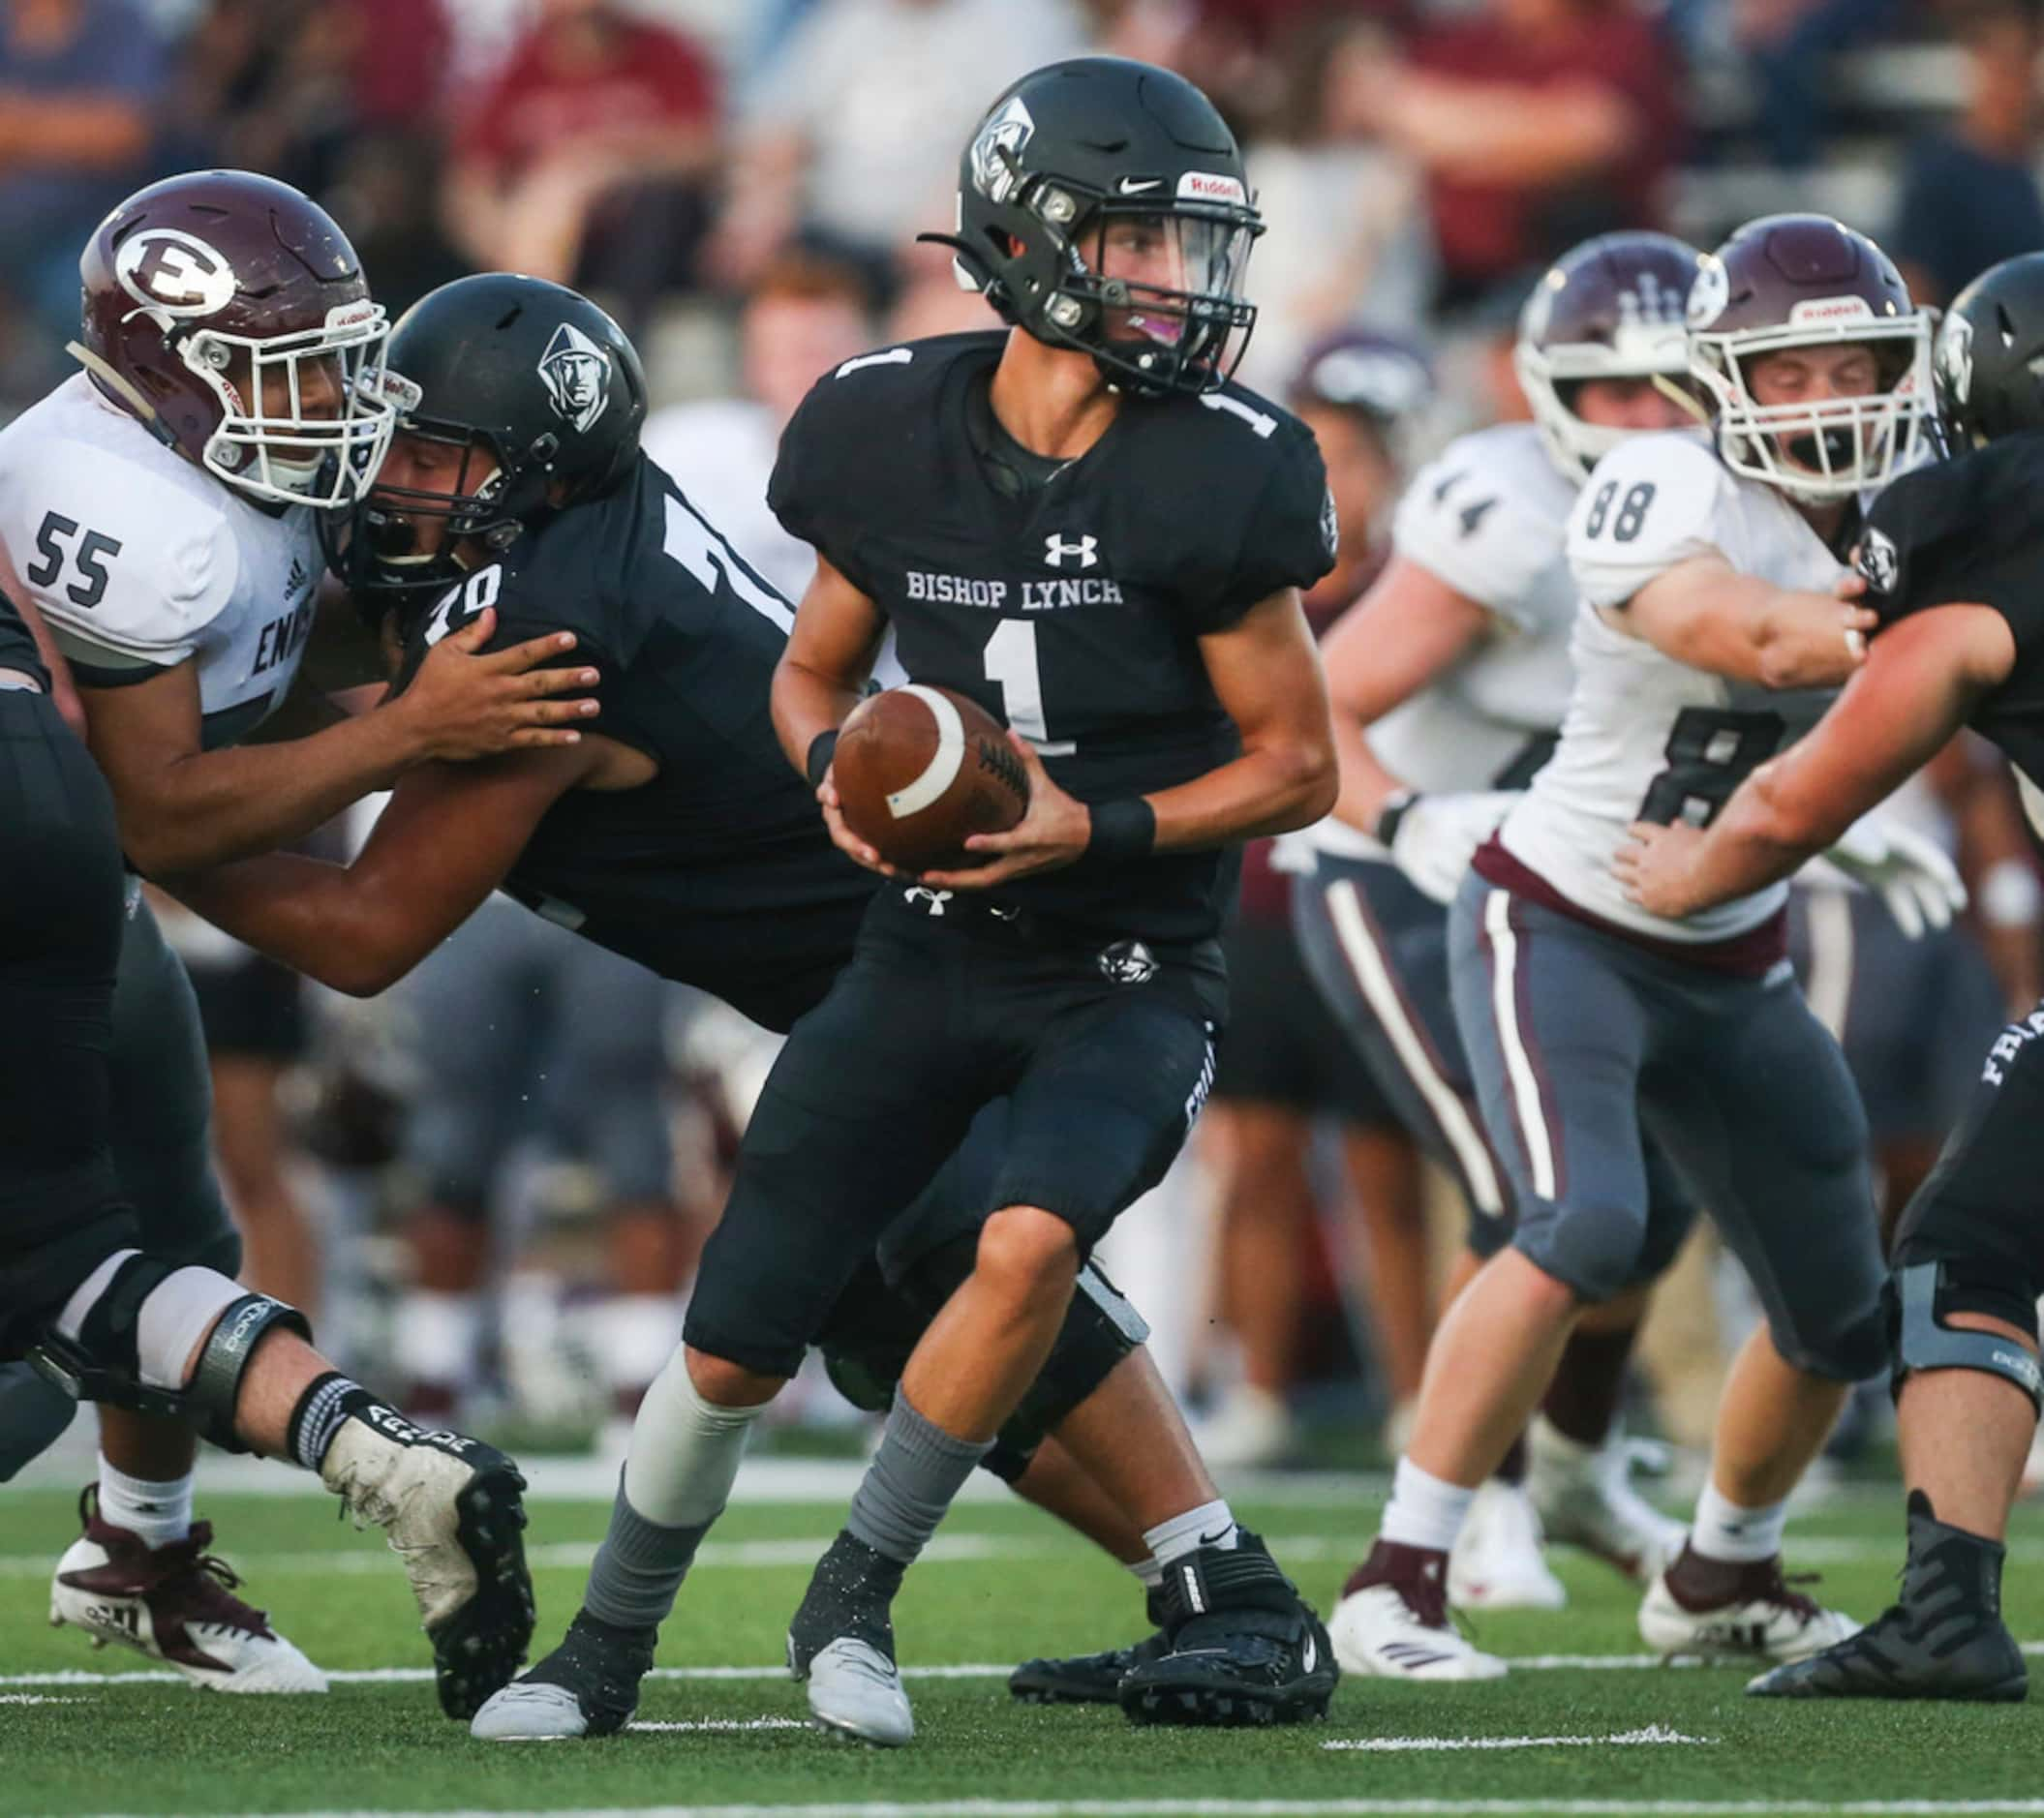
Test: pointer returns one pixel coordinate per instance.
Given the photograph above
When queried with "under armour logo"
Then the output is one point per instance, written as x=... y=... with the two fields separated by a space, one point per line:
x=1056 y=548
x=930 y=901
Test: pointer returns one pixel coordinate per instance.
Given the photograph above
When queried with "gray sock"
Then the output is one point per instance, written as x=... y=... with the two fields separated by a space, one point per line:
x=639 y=1568
x=914 y=1475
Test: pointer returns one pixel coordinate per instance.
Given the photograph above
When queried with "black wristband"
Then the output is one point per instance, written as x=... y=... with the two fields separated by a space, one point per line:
x=1392 y=813
x=821 y=750
x=1122 y=829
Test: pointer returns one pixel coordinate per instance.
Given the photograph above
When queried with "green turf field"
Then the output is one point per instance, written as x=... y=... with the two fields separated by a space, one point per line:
x=1002 y=1583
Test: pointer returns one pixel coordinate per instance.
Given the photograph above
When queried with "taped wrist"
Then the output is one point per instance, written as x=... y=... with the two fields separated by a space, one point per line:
x=822 y=749
x=1122 y=829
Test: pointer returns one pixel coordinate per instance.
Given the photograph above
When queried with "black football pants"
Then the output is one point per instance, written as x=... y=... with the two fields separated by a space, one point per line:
x=943 y=1009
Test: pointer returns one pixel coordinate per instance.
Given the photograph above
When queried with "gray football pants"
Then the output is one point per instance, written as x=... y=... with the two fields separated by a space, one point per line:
x=163 y=1107
x=1578 y=1039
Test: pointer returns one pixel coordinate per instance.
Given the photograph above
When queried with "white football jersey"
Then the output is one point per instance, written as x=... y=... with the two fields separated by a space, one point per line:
x=140 y=561
x=1488 y=517
x=1647 y=737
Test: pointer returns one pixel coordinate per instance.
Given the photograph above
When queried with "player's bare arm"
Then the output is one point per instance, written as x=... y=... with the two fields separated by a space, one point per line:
x=1265 y=672
x=1919 y=684
x=183 y=807
x=821 y=674
x=1705 y=613
x=447 y=838
x=1408 y=630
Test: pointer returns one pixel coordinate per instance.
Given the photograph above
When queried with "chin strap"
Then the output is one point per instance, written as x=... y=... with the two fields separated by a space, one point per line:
x=108 y=379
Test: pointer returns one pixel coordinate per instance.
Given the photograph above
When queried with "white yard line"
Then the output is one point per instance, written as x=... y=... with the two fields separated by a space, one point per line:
x=727 y=1724
x=1283 y=1808
x=1654 y=1736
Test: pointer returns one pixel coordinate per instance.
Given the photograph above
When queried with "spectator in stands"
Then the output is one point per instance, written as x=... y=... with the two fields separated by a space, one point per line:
x=1969 y=195
x=808 y=313
x=80 y=85
x=585 y=160
x=1346 y=238
x=857 y=123
x=1537 y=123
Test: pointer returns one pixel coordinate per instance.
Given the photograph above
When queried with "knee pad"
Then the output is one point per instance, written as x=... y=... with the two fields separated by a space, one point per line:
x=1917 y=1297
x=100 y=1358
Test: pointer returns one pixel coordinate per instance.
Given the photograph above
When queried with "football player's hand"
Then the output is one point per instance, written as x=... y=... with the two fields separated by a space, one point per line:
x=1918 y=884
x=1053 y=833
x=1655 y=867
x=842 y=836
x=1438 y=835
x=1820 y=639
x=463 y=704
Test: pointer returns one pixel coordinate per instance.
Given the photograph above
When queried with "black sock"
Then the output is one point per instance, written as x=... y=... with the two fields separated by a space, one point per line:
x=326 y=1403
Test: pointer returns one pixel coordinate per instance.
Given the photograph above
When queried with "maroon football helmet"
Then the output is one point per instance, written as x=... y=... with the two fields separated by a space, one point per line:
x=231 y=315
x=1800 y=280
x=1610 y=308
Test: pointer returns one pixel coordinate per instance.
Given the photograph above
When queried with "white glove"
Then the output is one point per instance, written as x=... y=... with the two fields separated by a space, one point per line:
x=1437 y=836
x=1919 y=884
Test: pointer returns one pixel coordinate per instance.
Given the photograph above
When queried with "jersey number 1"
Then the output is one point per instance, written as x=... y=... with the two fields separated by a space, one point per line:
x=1011 y=665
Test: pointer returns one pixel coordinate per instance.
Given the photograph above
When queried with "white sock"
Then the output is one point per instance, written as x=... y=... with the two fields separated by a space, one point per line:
x=1424 y=1510
x=1148 y=1572
x=437 y=1339
x=1724 y=1531
x=636 y=1334
x=1211 y=1525
x=158 y=1514
x=685 y=1451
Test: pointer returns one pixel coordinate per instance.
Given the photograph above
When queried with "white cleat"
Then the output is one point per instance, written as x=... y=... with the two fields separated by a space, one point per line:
x=1250 y=1428
x=1760 y=1619
x=1393 y=1624
x=856 y=1691
x=453 y=1511
x=1584 y=1497
x=175 y=1604
x=1497 y=1563
x=525 y=1711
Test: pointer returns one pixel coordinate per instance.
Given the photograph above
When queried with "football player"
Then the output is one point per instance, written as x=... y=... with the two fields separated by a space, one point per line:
x=158 y=510
x=682 y=837
x=1947 y=561
x=1450 y=679
x=1707 y=635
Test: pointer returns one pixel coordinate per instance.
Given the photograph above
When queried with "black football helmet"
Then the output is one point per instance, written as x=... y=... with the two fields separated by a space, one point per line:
x=1989 y=361
x=532 y=372
x=1103 y=206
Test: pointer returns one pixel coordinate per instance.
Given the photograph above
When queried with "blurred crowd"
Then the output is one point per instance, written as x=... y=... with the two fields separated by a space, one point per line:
x=742 y=182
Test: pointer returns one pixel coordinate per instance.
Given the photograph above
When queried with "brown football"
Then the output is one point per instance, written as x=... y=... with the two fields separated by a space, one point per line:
x=919 y=768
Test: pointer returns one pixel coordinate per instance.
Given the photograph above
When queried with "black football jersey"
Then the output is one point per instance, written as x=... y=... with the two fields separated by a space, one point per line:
x=719 y=873
x=1070 y=609
x=1964 y=531
x=17 y=649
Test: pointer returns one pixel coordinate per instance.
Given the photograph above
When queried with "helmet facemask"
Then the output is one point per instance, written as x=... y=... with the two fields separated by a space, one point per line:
x=270 y=443
x=1823 y=449
x=1551 y=377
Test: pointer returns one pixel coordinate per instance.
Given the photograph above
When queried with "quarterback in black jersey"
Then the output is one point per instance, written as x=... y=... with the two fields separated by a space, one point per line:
x=1083 y=526
x=1950 y=561
x=679 y=835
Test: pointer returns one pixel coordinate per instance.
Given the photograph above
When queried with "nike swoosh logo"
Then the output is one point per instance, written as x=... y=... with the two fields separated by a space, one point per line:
x=1312 y=1654
x=1215 y=1538
x=1137 y=186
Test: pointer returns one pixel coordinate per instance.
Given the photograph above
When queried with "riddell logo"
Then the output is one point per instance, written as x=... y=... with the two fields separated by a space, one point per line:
x=1831 y=308
x=1210 y=186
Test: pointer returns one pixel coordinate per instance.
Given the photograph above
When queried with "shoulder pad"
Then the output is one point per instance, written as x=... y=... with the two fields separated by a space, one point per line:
x=1652 y=502
x=1488 y=517
x=119 y=554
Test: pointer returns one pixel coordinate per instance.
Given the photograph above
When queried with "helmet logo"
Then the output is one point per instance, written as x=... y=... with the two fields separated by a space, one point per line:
x=1650 y=302
x=1830 y=309
x=1709 y=293
x=1955 y=357
x=174 y=273
x=1210 y=186
x=576 y=373
x=994 y=152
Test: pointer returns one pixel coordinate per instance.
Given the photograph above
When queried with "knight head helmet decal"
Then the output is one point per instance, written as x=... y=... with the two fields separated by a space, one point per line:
x=576 y=373
x=999 y=144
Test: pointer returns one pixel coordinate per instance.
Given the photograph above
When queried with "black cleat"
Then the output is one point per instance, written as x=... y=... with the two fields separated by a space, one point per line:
x=1945 y=1639
x=587 y=1686
x=1246 y=1649
x=1090 y=1679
